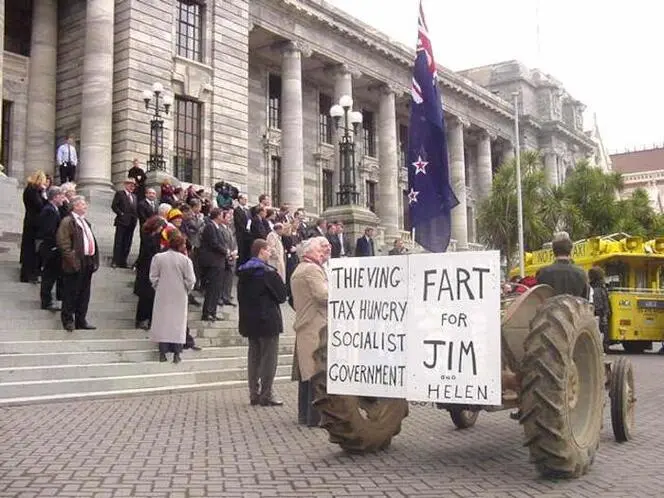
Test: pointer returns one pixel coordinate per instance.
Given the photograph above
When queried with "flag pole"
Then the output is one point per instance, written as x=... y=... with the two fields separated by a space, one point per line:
x=519 y=198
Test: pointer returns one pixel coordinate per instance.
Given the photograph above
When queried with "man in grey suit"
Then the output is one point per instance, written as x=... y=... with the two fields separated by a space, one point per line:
x=230 y=243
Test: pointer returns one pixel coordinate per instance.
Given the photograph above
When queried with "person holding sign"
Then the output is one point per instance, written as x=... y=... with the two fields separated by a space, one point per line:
x=309 y=290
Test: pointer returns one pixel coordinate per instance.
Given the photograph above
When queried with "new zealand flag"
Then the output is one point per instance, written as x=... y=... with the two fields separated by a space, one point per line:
x=430 y=196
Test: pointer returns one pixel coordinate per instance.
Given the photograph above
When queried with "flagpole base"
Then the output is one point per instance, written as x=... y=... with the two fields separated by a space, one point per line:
x=356 y=219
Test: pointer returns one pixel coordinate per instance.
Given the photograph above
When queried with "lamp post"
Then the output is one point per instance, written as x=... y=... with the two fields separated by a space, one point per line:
x=160 y=103
x=348 y=193
x=519 y=198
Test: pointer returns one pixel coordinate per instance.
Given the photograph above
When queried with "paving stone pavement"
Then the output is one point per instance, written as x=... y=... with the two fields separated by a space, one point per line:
x=212 y=443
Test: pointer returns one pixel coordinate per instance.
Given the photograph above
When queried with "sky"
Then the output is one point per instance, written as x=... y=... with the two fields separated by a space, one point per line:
x=606 y=54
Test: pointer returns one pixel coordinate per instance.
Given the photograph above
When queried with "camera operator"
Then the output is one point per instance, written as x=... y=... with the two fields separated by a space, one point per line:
x=226 y=193
x=67 y=160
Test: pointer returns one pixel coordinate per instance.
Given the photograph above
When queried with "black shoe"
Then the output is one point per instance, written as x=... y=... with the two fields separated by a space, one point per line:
x=86 y=326
x=196 y=348
x=162 y=357
x=144 y=325
x=253 y=401
x=193 y=301
x=69 y=326
x=230 y=303
x=176 y=358
x=271 y=402
x=51 y=307
x=209 y=318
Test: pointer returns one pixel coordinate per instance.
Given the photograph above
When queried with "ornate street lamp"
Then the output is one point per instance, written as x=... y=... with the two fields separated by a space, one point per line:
x=161 y=103
x=348 y=193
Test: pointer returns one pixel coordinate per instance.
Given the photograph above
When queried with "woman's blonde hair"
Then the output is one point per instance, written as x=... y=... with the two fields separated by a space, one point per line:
x=37 y=178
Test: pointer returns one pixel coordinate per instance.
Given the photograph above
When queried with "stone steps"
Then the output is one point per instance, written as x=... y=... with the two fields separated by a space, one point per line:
x=19 y=392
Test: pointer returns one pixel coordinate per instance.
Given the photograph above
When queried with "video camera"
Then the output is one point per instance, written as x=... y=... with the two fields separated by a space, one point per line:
x=226 y=190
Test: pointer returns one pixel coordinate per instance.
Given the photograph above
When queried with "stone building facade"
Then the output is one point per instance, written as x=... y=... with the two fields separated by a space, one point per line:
x=253 y=81
x=642 y=169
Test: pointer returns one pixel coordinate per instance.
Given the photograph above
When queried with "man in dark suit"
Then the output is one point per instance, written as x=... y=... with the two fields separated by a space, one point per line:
x=124 y=206
x=212 y=258
x=259 y=228
x=49 y=220
x=344 y=241
x=333 y=239
x=230 y=244
x=147 y=207
x=80 y=259
x=241 y=217
x=365 y=244
x=320 y=230
x=137 y=173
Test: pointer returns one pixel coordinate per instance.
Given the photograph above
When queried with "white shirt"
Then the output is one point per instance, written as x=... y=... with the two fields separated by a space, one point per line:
x=66 y=153
x=341 y=240
x=88 y=238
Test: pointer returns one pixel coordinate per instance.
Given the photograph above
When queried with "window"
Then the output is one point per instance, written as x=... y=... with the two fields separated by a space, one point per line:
x=274 y=102
x=5 y=152
x=275 y=177
x=328 y=188
x=187 y=123
x=324 y=118
x=190 y=28
x=371 y=195
x=406 y=212
x=369 y=133
x=403 y=144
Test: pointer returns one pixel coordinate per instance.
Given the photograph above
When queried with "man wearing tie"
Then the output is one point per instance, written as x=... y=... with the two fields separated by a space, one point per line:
x=365 y=244
x=241 y=219
x=80 y=259
x=147 y=207
x=67 y=160
x=212 y=257
x=49 y=219
x=124 y=206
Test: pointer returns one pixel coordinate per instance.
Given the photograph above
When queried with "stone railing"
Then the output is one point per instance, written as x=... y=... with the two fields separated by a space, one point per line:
x=644 y=176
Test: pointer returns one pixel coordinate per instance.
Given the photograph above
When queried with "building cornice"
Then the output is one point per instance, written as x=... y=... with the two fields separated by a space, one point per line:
x=339 y=21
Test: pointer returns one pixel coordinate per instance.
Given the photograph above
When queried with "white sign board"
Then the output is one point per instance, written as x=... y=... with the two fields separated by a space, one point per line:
x=366 y=335
x=453 y=343
x=423 y=327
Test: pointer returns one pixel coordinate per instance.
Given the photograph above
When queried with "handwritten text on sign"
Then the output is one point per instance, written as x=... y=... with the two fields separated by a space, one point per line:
x=367 y=309
x=454 y=328
x=423 y=327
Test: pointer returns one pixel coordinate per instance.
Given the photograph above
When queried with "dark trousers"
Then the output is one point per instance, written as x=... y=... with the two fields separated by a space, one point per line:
x=124 y=236
x=144 y=307
x=76 y=294
x=262 y=366
x=29 y=257
x=227 y=287
x=213 y=289
x=50 y=275
x=306 y=413
x=67 y=173
x=197 y=267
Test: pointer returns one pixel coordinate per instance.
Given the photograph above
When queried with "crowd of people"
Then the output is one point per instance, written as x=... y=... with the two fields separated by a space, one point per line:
x=192 y=246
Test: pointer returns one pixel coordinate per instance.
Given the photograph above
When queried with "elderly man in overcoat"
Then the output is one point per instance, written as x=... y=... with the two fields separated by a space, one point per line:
x=309 y=289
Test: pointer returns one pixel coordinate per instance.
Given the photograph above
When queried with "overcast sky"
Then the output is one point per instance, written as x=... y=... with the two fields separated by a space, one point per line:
x=606 y=54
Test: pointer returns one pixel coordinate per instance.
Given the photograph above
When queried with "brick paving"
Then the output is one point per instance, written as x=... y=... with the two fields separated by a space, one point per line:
x=212 y=443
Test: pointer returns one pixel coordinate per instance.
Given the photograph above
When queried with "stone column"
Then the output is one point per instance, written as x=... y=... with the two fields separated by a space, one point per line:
x=97 y=98
x=3 y=168
x=508 y=152
x=292 y=138
x=551 y=168
x=388 y=187
x=343 y=85
x=40 y=134
x=484 y=166
x=458 y=180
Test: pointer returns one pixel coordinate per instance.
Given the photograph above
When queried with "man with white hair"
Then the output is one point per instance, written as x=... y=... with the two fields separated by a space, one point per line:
x=163 y=210
x=68 y=190
x=563 y=275
x=309 y=290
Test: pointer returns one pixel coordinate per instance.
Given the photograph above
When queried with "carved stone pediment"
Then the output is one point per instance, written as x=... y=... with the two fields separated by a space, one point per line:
x=193 y=78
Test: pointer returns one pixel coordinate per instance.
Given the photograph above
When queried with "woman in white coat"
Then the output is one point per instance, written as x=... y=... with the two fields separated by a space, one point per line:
x=172 y=276
x=276 y=246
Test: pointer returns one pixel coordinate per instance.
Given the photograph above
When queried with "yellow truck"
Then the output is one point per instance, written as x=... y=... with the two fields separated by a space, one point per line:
x=634 y=271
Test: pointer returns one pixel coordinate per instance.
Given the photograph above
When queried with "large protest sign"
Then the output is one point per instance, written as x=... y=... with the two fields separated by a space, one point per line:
x=453 y=340
x=366 y=326
x=424 y=327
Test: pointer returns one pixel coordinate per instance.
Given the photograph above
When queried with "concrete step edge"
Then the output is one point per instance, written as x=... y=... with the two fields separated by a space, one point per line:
x=125 y=393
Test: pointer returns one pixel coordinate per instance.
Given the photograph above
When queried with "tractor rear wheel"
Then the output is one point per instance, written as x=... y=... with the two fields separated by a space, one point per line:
x=357 y=424
x=562 y=387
